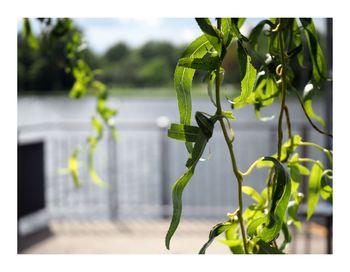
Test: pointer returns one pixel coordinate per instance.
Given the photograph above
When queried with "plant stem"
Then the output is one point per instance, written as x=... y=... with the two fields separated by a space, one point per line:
x=235 y=169
x=328 y=153
x=283 y=92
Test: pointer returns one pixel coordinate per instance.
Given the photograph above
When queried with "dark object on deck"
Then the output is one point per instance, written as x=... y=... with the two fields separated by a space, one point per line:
x=30 y=175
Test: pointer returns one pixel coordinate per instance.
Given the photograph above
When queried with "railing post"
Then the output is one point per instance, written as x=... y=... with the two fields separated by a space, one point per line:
x=163 y=123
x=112 y=176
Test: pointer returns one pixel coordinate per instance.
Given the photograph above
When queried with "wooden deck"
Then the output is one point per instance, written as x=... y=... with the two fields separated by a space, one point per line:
x=144 y=237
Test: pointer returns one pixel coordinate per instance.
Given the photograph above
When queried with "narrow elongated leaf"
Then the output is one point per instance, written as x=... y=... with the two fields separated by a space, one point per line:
x=237 y=33
x=197 y=151
x=293 y=207
x=183 y=132
x=252 y=193
x=248 y=74
x=212 y=34
x=314 y=189
x=226 y=30
x=92 y=171
x=279 y=204
x=309 y=91
x=287 y=236
x=207 y=64
x=214 y=232
x=319 y=69
x=181 y=183
x=177 y=190
x=211 y=83
x=183 y=80
x=73 y=167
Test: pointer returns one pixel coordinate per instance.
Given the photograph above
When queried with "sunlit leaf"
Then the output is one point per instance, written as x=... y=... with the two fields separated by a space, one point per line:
x=279 y=203
x=314 y=188
x=214 y=232
x=183 y=132
x=309 y=90
x=183 y=80
x=211 y=32
x=319 y=69
x=252 y=193
x=73 y=167
x=226 y=30
x=207 y=64
x=248 y=74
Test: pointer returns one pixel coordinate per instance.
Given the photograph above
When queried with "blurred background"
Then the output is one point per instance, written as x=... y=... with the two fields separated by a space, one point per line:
x=138 y=58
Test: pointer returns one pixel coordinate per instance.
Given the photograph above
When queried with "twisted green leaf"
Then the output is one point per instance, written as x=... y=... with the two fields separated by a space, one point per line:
x=183 y=80
x=214 y=232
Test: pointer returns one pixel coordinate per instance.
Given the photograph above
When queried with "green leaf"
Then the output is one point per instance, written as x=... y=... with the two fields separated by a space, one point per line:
x=214 y=232
x=265 y=248
x=211 y=32
x=279 y=203
x=96 y=124
x=319 y=69
x=290 y=146
x=73 y=167
x=207 y=64
x=177 y=190
x=205 y=124
x=183 y=80
x=183 y=132
x=314 y=188
x=226 y=30
x=298 y=42
x=326 y=190
x=181 y=183
x=248 y=74
x=252 y=193
x=228 y=115
x=309 y=91
x=211 y=76
x=252 y=229
x=255 y=33
x=237 y=33
x=293 y=207
x=287 y=236
x=232 y=235
x=197 y=151
x=92 y=141
x=27 y=33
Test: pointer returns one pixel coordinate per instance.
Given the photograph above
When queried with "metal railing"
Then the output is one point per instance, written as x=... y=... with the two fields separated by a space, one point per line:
x=141 y=168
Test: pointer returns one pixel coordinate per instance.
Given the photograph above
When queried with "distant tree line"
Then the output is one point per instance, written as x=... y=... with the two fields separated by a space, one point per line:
x=150 y=65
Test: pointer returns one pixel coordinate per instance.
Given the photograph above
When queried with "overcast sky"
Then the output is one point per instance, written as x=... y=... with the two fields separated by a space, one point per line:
x=101 y=33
